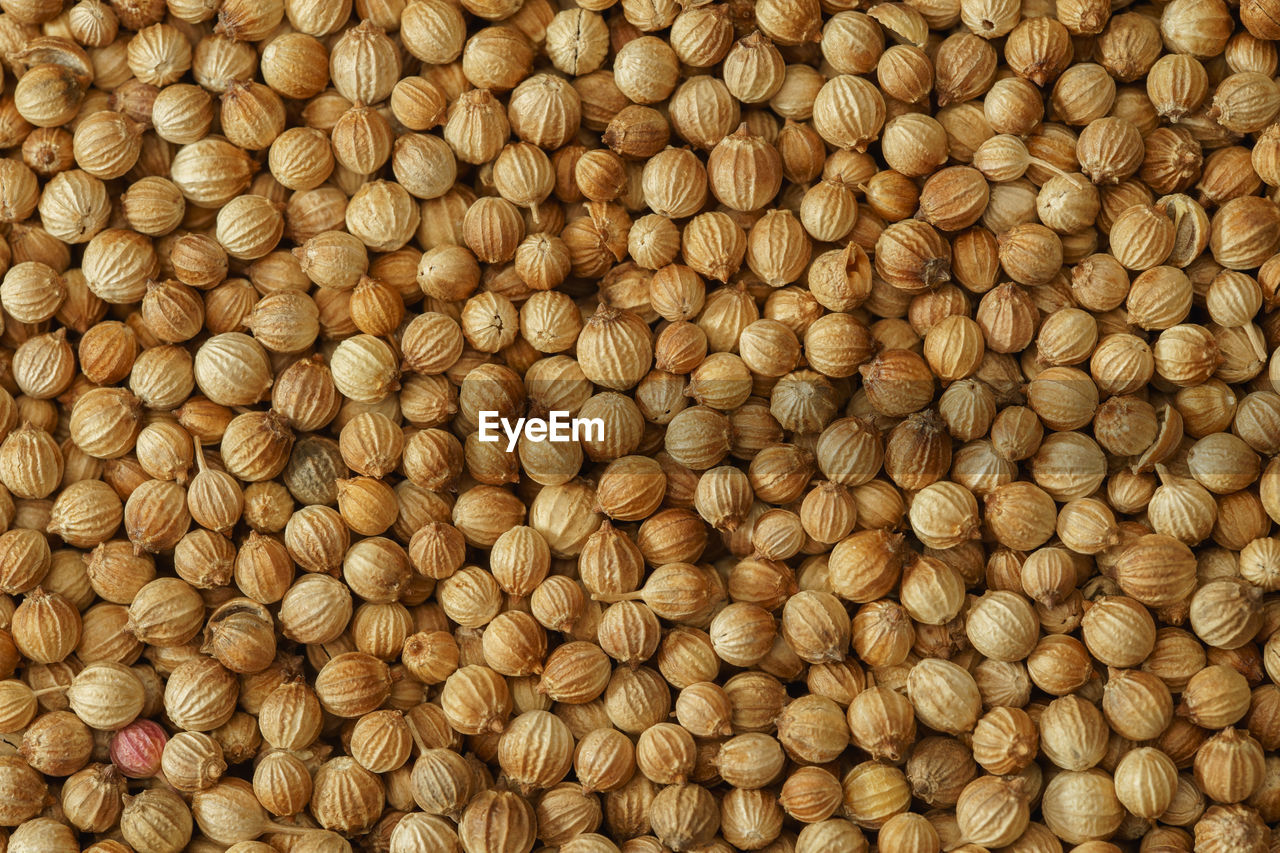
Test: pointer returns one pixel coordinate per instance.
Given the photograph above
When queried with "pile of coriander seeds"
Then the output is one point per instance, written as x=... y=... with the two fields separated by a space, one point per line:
x=639 y=426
